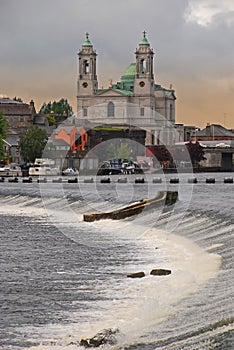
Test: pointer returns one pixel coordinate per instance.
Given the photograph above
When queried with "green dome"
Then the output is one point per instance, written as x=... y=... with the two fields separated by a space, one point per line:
x=144 y=40
x=129 y=73
x=87 y=41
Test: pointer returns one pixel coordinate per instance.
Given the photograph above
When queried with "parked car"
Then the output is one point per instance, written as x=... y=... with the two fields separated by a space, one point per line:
x=70 y=172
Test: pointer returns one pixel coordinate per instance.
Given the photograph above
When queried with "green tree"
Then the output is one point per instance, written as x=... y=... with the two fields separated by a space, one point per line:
x=3 y=126
x=124 y=151
x=51 y=119
x=60 y=107
x=110 y=151
x=32 y=143
x=196 y=152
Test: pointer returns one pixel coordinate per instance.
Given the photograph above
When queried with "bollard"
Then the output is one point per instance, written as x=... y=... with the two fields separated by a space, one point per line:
x=29 y=180
x=72 y=181
x=174 y=181
x=15 y=179
x=139 y=180
x=192 y=181
x=105 y=180
x=122 y=180
x=42 y=181
x=157 y=180
x=89 y=180
x=59 y=180
x=228 y=180
x=210 y=180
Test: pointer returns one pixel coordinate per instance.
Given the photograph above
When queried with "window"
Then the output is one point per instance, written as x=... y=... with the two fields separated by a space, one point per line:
x=85 y=112
x=142 y=66
x=86 y=67
x=152 y=137
x=110 y=109
x=142 y=111
x=171 y=112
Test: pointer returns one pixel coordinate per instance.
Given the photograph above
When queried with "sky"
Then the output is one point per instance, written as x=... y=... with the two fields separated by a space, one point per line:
x=193 y=41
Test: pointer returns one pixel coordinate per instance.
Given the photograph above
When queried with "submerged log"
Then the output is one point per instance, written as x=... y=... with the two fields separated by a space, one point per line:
x=160 y=272
x=162 y=198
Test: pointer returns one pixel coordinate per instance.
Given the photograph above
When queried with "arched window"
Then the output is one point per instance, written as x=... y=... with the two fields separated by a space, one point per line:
x=142 y=66
x=86 y=67
x=110 y=109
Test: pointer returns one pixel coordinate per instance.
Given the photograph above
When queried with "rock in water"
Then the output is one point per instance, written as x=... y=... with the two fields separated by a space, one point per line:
x=106 y=336
x=136 y=275
x=160 y=272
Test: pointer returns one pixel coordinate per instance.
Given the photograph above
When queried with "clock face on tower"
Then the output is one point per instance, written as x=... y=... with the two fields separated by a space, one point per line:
x=141 y=83
x=85 y=85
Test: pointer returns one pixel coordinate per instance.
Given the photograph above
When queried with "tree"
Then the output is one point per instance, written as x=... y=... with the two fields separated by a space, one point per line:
x=18 y=99
x=58 y=108
x=51 y=119
x=32 y=143
x=3 y=126
x=124 y=151
x=196 y=152
x=110 y=152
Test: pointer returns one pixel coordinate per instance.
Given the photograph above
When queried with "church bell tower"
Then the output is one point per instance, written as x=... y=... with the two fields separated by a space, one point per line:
x=87 y=84
x=144 y=77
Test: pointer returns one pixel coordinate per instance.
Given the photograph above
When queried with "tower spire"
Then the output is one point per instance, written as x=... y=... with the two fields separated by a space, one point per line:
x=144 y=40
x=87 y=41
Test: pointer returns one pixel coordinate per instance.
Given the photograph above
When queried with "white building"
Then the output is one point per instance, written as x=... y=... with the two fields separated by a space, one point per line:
x=136 y=100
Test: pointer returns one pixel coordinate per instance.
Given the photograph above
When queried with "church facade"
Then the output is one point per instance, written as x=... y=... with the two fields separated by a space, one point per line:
x=135 y=101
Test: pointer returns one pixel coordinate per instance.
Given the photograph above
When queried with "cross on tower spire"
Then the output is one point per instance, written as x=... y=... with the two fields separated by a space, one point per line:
x=144 y=33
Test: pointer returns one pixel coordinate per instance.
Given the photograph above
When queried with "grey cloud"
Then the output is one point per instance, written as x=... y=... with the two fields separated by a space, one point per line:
x=40 y=40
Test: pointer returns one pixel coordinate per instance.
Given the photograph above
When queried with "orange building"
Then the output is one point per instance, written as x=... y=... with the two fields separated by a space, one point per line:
x=74 y=137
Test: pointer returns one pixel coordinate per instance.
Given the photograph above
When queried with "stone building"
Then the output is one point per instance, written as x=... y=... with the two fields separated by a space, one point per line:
x=136 y=100
x=19 y=115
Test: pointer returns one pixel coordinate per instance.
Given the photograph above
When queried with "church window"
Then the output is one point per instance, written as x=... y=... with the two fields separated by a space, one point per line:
x=142 y=66
x=86 y=67
x=110 y=109
x=142 y=111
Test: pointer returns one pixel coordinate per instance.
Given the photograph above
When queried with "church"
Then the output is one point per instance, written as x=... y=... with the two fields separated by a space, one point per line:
x=135 y=101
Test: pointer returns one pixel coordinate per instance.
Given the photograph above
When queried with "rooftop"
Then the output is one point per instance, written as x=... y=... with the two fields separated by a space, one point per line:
x=215 y=130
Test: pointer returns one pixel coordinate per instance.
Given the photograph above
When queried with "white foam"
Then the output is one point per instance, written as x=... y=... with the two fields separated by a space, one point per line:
x=134 y=306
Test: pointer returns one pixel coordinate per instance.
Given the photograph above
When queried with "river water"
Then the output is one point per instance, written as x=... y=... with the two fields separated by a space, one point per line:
x=63 y=279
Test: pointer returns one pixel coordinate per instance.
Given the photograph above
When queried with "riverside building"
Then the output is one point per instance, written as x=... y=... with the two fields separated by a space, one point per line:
x=135 y=101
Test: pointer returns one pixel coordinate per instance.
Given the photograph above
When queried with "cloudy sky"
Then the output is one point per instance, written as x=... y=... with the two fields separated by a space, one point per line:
x=193 y=41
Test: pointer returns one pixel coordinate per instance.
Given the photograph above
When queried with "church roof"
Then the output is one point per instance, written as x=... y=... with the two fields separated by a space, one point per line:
x=129 y=73
x=125 y=92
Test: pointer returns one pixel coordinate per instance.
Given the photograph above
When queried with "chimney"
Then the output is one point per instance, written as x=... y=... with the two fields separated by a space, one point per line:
x=208 y=129
x=32 y=107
